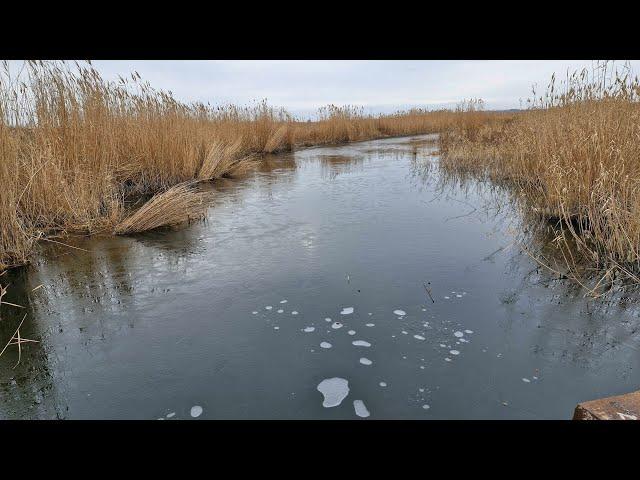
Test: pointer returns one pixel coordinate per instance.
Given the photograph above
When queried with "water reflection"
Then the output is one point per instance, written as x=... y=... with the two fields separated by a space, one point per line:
x=140 y=326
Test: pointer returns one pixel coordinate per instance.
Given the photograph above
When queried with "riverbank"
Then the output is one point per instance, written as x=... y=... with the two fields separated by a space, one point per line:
x=76 y=149
x=571 y=159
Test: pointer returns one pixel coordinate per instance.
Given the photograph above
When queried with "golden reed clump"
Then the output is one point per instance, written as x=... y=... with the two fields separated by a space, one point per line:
x=574 y=158
x=74 y=147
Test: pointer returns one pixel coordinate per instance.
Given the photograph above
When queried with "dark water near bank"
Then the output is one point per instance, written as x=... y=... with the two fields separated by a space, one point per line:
x=155 y=324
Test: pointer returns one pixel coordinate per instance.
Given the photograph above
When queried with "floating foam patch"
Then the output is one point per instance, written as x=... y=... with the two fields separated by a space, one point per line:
x=360 y=408
x=334 y=390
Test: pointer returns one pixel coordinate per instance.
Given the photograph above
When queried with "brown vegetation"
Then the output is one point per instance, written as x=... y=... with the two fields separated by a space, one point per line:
x=74 y=147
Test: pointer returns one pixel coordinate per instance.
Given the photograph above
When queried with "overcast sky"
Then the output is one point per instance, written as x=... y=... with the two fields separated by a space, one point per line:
x=303 y=86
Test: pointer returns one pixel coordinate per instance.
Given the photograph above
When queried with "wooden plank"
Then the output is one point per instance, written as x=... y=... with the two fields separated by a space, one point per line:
x=620 y=407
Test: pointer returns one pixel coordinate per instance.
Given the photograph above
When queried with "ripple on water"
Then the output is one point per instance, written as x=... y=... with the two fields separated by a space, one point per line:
x=360 y=408
x=334 y=391
x=346 y=311
x=365 y=361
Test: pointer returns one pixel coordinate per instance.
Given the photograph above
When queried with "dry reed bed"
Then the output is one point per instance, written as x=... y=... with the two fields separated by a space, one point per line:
x=573 y=158
x=74 y=147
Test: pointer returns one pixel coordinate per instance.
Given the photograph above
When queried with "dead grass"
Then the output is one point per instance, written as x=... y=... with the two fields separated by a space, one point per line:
x=573 y=158
x=74 y=147
x=180 y=203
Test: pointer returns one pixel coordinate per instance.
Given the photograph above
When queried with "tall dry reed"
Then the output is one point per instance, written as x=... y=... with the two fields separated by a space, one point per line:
x=74 y=147
x=574 y=158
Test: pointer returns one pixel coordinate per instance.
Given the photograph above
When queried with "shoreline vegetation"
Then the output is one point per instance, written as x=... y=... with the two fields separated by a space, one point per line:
x=75 y=150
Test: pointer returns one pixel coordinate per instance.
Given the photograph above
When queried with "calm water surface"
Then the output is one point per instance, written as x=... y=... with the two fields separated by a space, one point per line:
x=149 y=326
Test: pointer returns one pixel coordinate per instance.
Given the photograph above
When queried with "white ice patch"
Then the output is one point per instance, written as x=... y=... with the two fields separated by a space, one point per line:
x=383 y=384
x=325 y=345
x=327 y=319
x=196 y=411
x=268 y=307
x=446 y=298
x=171 y=415
x=443 y=345
x=360 y=408
x=336 y=325
x=361 y=343
x=426 y=407
x=254 y=312
x=276 y=328
x=346 y=311
x=459 y=296
x=365 y=361
x=334 y=391
x=454 y=352
x=309 y=329
x=371 y=324
x=351 y=332
x=280 y=311
x=404 y=332
x=283 y=301
x=447 y=359
x=468 y=331
x=401 y=313
x=418 y=337
x=294 y=313
x=458 y=334
x=526 y=380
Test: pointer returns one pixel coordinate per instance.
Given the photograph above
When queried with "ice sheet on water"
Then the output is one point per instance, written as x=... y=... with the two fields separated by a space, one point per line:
x=400 y=313
x=361 y=343
x=458 y=334
x=280 y=311
x=468 y=331
x=334 y=390
x=196 y=411
x=360 y=408
x=325 y=345
x=294 y=313
x=336 y=325
x=346 y=311
x=283 y=301
x=309 y=329
x=365 y=361
x=418 y=337
x=454 y=352
x=371 y=324
x=351 y=332
x=383 y=384
x=268 y=307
